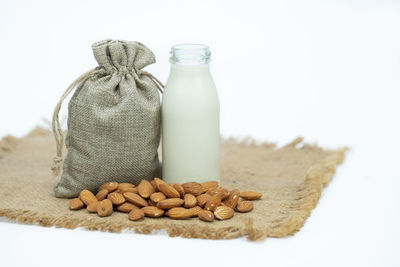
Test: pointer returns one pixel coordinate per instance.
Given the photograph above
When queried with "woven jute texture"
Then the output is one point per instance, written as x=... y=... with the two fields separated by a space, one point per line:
x=291 y=179
x=114 y=120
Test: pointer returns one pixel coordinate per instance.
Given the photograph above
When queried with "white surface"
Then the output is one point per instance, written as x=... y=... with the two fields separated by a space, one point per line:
x=327 y=70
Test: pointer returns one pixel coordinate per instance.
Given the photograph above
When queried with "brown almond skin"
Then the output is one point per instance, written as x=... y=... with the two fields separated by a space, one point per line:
x=250 y=195
x=158 y=181
x=223 y=213
x=126 y=207
x=168 y=190
x=136 y=214
x=152 y=212
x=153 y=183
x=190 y=201
x=232 y=199
x=179 y=213
x=223 y=192
x=212 y=192
x=116 y=198
x=192 y=188
x=157 y=197
x=75 y=204
x=135 y=199
x=102 y=194
x=244 y=206
x=206 y=215
x=145 y=189
x=213 y=202
x=152 y=203
x=209 y=185
x=202 y=199
x=125 y=185
x=195 y=211
x=92 y=207
x=170 y=203
x=179 y=188
x=104 y=208
x=129 y=189
x=87 y=197
x=111 y=186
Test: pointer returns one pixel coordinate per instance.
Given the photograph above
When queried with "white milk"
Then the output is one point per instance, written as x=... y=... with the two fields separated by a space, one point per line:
x=190 y=118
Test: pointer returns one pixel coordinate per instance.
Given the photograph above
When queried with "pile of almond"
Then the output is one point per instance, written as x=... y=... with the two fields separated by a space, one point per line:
x=157 y=198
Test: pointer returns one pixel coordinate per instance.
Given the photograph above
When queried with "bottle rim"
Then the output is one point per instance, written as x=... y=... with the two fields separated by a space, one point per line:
x=190 y=54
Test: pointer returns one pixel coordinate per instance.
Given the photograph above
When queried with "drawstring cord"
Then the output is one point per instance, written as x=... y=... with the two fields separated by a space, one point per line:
x=159 y=84
x=57 y=130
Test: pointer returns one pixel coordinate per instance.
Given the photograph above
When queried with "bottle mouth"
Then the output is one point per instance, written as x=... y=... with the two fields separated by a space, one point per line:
x=190 y=54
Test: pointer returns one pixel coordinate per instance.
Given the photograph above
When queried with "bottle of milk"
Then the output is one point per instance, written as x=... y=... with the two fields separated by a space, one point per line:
x=190 y=118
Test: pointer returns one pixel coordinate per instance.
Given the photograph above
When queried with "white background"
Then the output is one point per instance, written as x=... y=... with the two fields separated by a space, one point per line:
x=326 y=70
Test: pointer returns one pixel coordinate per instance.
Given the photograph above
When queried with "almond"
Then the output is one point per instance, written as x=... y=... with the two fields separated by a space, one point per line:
x=126 y=207
x=224 y=193
x=168 y=190
x=135 y=199
x=250 y=195
x=145 y=189
x=75 y=204
x=87 y=197
x=125 y=185
x=135 y=214
x=202 y=199
x=129 y=189
x=190 y=201
x=153 y=183
x=192 y=188
x=232 y=199
x=157 y=197
x=102 y=194
x=179 y=213
x=116 y=198
x=209 y=185
x=158 y=181
x=152 y=211
x=179 y=188
x=170 y=203
x=213 y=202
x=92 y=207
x=104 y=208
x=244 y=206
x=212 y=192
x=223 y=212
x=111 y=186
x=195 y=211
x=206 y=215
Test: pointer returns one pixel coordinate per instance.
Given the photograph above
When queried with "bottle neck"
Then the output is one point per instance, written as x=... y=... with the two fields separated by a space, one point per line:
x=190 y=54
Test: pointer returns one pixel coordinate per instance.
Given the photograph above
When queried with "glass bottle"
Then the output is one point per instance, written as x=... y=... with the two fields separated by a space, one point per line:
x=190 y=118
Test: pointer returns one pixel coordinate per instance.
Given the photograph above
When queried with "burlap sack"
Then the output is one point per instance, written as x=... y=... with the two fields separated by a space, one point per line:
x=113 y=121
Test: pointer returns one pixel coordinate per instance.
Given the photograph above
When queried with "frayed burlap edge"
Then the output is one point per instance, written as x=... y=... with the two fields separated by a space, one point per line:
x=317 y=177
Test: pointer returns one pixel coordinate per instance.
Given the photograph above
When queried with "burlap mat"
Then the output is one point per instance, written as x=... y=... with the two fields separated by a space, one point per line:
x=291 y=179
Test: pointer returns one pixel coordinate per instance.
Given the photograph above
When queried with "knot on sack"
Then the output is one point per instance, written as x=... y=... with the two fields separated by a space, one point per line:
x=57 y=159
x=56 y=167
